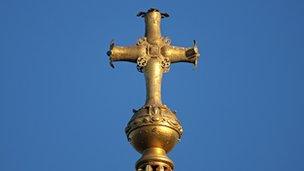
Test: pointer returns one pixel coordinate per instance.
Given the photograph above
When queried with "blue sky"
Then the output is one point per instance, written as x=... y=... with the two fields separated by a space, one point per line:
x=63 y=108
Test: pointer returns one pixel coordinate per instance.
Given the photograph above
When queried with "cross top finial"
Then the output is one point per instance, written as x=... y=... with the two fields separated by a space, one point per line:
x=142 y=14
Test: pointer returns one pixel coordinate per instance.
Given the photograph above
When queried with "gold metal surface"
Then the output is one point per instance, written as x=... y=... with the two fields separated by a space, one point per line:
x=154 y=129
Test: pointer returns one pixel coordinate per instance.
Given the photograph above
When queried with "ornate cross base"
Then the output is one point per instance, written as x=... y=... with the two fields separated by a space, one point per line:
x=154 y=159
x=154 y=131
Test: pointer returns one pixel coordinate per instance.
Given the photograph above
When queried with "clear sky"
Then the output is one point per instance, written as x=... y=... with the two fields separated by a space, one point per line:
x=63 y=108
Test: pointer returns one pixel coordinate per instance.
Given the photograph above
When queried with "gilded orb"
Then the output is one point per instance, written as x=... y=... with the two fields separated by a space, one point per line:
x=153 y=131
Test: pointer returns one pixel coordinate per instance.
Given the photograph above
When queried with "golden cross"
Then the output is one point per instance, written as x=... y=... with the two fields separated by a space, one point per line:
x=153 y=55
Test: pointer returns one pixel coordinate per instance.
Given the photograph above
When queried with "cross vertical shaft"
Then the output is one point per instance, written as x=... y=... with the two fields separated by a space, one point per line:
x=153 y=70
